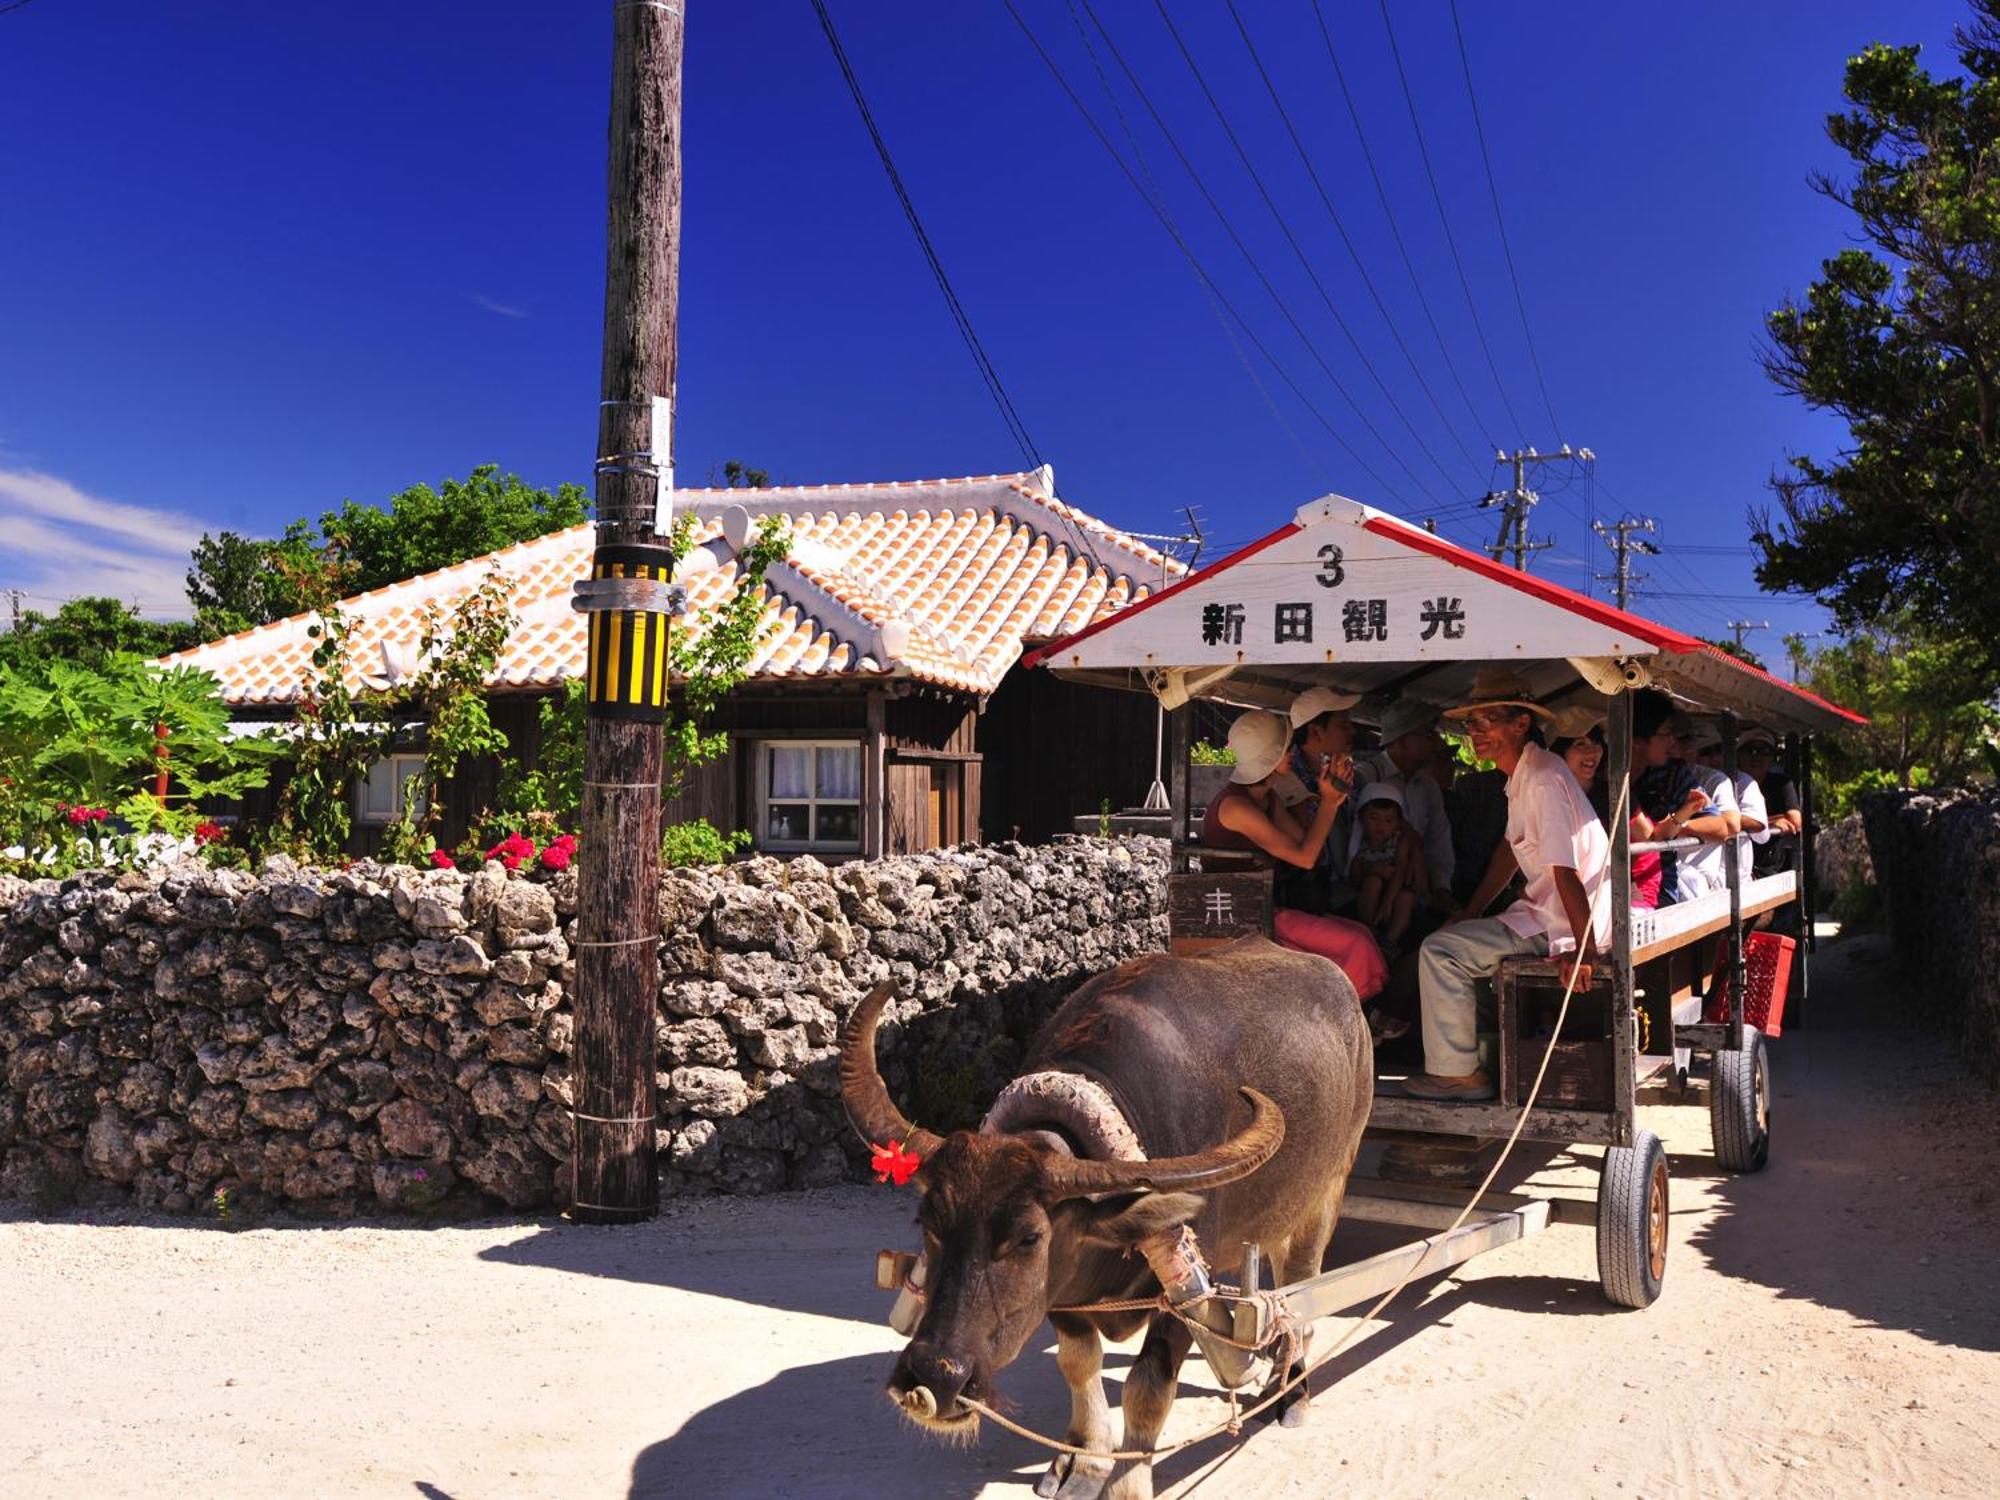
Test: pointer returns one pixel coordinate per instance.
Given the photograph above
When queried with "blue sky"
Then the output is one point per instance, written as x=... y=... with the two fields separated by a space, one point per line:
x=255 y=260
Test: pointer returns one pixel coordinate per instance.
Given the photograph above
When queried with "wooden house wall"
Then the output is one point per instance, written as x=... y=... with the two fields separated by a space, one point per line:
x=1052 y=749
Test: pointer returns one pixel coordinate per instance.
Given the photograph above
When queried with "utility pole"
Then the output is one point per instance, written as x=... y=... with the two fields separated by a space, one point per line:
x=1741 y=628
x=627 y=603
x=1157 y=799
x=1618 y=537
x=14 y=599
x=1517 y=502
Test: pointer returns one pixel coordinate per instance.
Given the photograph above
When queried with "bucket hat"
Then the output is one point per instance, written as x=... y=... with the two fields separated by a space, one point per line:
x=1259 y=741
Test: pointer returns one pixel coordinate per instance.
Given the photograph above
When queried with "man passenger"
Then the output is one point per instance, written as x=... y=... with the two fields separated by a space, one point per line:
x=1555 y=841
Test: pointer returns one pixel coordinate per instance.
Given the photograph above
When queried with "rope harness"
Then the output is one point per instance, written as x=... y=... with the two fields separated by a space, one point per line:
x=1287 y=1335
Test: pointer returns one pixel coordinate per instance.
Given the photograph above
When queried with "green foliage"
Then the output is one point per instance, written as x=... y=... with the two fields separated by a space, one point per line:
x=237 y=582
x=87 y=633
x=1925 y=695
x=1856 y=905
x=340 y=730
x=1900 y=338
x=550 y=782
x=698 y=843
x=1202 y=753
x=709 y=665
x=737 y=475
x=73 y=737
x=459 y=652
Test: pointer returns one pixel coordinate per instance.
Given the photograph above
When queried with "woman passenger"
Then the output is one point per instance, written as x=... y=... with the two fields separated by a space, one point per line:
x=1250 y=816
x=1585 y=755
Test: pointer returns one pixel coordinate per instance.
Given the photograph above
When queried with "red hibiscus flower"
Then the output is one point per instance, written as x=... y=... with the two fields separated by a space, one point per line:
x=442 y=860
x=556 y=857
x=894 y=1162
x=209 y=833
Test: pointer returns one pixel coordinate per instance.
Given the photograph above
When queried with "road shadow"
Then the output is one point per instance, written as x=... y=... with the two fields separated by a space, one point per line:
x=1882 y=1195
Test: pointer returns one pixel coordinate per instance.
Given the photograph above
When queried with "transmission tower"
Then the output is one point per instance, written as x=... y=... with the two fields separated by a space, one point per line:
x=1618 y=537
x=1517 y=502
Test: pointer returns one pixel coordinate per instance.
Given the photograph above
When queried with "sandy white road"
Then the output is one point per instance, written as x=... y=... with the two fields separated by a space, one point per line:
x=1831 y=1327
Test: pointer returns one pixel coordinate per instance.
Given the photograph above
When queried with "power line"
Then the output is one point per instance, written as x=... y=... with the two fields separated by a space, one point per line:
x=1437 y=196
x=10 y=9
x=1395 y=228
x=1493 y=187
x=1015 y=426
x=1326 y=201
x=1181 y=244
x=1153 y=187
x=1305 y=261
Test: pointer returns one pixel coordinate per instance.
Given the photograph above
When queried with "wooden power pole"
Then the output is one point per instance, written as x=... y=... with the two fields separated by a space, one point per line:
x=627 y=603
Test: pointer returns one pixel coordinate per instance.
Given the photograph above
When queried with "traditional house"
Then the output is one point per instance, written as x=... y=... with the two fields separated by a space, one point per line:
x=883 y=712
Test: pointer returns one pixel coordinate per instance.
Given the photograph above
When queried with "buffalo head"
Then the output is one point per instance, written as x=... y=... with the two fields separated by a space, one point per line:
x=1010 y=1223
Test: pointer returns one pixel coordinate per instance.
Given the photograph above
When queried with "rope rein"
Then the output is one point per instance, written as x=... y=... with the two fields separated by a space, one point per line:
x=1288 y=1336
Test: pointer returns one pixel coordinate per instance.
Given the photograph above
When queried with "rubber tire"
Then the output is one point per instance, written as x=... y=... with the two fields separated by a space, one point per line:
x=1631 y=1225
x=1739 y=1105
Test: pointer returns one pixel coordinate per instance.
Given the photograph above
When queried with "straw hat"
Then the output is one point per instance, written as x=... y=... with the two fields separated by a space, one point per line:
x=1259 y=741
x=1313 y=702
x=1498 y=687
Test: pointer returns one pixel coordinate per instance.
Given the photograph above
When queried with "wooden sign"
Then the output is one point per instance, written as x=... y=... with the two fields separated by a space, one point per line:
x=1218 y=908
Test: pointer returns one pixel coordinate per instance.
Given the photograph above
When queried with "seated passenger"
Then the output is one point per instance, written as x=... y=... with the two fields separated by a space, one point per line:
x=1664 y=789
x=1749 y=801
x=1405 y=762
x=1249 y=815
x=1706 y=869
x=1320 y=728
x=1584 y=755
x=1784 y=817
x=1388 y=867
x=1553 y=840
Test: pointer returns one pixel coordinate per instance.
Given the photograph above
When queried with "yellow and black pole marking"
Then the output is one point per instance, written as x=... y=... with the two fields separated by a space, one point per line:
x=630 y=604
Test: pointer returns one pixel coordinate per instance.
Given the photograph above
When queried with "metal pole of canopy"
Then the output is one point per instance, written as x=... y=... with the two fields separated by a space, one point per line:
x=1738 y=970
x=1178 y=728
x=1624 y=1026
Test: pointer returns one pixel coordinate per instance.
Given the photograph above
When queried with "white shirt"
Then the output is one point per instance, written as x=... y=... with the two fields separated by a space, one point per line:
x=1702 y=870
x=1423 y=810
x=1750 y=799
x=1551 y=825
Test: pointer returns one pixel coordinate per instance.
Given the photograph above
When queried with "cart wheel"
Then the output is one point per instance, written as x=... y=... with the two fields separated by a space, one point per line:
x=1632 y=1221
x=1739 y=1105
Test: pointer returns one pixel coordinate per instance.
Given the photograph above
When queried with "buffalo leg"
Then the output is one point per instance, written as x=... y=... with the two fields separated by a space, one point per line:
x=1300 y=1260
x=1149 y=1398
x=1080 y=1357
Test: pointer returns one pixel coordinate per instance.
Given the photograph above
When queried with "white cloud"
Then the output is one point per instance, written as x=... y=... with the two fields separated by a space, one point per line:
x=498 y=307
x=58 y=542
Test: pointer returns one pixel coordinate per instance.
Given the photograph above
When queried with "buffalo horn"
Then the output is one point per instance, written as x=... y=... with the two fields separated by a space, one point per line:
x=861 y=1087
x=1239 y=1156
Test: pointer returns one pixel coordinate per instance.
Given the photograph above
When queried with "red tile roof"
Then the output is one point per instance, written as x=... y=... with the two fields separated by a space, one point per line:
x=941 y=580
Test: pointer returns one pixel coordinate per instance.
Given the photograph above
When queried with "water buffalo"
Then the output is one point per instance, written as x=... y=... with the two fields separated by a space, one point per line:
x=1245 y=1073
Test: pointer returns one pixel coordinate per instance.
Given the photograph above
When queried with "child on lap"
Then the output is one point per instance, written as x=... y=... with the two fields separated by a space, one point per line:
x=1388 y=866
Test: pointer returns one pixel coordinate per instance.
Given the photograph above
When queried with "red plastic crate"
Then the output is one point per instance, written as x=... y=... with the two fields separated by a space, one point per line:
x=1767 y=957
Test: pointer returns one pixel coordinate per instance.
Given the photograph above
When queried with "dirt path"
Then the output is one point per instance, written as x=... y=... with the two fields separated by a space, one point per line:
x=1831 y=1327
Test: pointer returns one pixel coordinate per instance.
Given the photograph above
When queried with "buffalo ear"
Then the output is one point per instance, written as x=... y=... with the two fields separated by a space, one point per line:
x=1125 y=1221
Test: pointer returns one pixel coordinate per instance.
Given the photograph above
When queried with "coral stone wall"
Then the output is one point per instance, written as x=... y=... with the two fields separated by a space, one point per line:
x=1937 y=862
x=382 y=1039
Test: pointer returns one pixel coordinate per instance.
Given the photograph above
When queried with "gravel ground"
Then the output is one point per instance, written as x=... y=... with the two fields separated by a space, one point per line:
x=1831 y=1327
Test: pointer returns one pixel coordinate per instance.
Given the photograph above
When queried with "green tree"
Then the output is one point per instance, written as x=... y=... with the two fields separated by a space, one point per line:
x=1929 y=718
x=1900 y=337
x=424 y=529
x=88 y=632
x=237 y=582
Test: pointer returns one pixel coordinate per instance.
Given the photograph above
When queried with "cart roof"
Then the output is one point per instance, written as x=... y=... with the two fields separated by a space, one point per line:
x=1354 y=598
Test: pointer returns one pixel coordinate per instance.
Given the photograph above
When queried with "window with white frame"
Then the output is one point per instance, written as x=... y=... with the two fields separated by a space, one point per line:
x=809 y=794
x=380 y=798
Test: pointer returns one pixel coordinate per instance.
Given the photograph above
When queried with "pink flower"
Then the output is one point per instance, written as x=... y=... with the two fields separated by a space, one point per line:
x=512 y=850
x=209 y=833
x=82 y=815
x=442 y=860
x=556 y=857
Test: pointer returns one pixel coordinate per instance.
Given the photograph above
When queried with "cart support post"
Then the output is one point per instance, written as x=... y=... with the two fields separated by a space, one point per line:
x=1178 y=788
x=1733 y=872
x=1624 y=1025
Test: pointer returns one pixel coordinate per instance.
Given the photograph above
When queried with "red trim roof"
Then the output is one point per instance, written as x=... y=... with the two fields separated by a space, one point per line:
x=1661 y=637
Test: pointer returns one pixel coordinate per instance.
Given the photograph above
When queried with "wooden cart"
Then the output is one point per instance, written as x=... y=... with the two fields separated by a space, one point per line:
x=1352 y=598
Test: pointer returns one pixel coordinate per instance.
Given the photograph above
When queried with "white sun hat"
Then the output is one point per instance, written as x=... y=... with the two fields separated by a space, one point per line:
x=1259 y=741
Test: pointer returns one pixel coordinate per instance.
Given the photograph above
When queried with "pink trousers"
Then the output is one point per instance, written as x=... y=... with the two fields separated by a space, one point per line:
x=1350 y=946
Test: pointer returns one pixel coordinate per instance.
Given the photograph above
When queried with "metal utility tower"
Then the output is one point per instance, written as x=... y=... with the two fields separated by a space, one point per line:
x=1518 y=501
x=1741 y=628
x=1618 y=537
